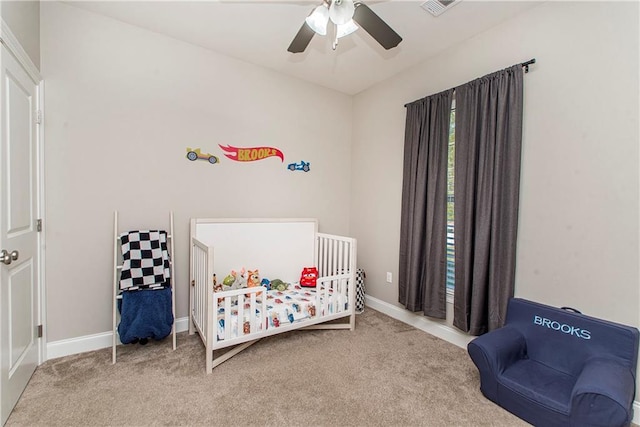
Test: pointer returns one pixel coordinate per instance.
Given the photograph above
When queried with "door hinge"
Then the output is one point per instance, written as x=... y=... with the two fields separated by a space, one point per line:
x=39 y=331
x=39 y=225
x=39 y=117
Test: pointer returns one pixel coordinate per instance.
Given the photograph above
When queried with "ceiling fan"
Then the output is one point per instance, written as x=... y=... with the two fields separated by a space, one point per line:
x=344 y=14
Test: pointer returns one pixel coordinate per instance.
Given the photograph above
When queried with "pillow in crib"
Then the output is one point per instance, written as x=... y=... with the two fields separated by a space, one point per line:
x=309 y=277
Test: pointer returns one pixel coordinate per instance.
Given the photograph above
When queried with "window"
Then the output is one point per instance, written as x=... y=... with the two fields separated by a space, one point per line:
x=450 y=203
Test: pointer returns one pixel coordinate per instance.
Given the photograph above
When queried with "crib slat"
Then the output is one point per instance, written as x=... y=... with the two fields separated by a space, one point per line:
x=343 y=293
x=323 y=296
x=318 y=299
x=334 y=286
x=345 y=260
x=227 y=318
x=202 y=283
x=327 y=260
x=203 y=292
x=253 y=327
x=198 y=284
x=240 y=315
x=324 y=258
x=334 y=257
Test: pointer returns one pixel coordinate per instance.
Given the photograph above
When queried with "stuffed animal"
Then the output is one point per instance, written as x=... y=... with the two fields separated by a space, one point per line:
x=309 y=277
x=279 y=285
x=230 y=279
x=253 y=278
x=241 y=279
x=235 y=280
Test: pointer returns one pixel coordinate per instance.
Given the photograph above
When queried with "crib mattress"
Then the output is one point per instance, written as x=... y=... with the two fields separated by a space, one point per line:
x=283 y=308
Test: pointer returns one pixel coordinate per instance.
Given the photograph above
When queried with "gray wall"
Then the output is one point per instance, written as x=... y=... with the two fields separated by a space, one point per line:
x=578 y=242
x=23 y=18
x=123 y=104
x=578 y=230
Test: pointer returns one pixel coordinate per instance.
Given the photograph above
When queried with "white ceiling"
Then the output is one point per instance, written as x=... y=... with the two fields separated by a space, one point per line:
x=260 y=31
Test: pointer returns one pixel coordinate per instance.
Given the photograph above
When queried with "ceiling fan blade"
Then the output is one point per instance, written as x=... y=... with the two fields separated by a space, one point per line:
x=376 y=27
x=302 y=39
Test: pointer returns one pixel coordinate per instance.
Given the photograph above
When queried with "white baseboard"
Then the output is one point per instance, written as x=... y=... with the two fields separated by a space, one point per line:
x=442 y=331
x=419 y=321
x=77 y=345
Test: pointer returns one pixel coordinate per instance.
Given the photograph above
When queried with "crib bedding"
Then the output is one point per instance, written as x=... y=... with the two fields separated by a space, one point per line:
x=283 y=308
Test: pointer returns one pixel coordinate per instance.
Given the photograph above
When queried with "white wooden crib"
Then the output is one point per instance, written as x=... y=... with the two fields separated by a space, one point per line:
x=279 y=248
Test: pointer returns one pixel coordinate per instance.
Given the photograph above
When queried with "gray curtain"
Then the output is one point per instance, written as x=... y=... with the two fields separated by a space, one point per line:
x=487 y=181
x=422 y=269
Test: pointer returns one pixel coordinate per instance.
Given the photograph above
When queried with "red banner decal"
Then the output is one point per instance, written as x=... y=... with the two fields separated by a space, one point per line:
x=251 y=154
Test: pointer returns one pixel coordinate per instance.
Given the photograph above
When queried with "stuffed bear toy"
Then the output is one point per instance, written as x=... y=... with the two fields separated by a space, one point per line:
x=253 y=278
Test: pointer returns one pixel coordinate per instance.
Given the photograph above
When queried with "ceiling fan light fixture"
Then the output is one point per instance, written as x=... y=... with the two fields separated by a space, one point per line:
x=341 y=11
x=318 y=20
x=346 y=29
x=345 y=14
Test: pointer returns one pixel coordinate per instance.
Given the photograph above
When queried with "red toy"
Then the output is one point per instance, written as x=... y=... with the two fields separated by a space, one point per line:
x=309 y=277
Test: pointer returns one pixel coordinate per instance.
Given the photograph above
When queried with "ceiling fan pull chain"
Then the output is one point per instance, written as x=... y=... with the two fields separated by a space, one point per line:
x=335 y=42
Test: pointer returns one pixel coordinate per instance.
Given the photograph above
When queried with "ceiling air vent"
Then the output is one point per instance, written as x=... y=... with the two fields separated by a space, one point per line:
x=438 y=7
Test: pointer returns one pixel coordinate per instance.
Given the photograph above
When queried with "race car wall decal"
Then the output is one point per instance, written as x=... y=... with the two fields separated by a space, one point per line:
x=196 y=154
x=251 y=154
x=302 y=166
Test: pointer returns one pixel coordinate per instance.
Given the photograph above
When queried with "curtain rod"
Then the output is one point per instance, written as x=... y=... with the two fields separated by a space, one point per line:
x=524 y=64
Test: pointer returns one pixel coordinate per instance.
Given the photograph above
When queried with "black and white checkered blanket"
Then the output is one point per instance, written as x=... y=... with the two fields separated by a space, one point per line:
x=145 y=260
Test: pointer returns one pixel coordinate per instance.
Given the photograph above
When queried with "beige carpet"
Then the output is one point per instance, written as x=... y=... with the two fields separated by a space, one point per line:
x=383 y=373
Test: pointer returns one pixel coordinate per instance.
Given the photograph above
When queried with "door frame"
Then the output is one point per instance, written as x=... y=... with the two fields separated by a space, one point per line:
x=9 y=40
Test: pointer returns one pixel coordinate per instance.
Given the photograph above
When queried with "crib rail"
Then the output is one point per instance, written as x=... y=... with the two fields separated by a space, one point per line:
x=247 y=300
x=201 y=263
x=334 y=254
x=332 y=296
x=335 y=257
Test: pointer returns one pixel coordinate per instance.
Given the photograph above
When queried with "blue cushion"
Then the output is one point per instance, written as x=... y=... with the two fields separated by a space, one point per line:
x=539 y=383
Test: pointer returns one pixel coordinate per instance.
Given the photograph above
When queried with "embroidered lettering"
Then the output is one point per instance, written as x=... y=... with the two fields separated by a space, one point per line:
x=561 y=327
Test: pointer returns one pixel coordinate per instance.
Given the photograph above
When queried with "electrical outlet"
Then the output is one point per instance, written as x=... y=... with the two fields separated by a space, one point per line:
x=389 y=277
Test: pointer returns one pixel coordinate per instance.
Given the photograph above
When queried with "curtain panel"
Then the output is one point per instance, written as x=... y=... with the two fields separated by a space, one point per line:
x=487 y=182
x=422 y=267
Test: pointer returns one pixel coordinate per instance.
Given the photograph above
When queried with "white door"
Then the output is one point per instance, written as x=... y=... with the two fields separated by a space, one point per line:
x=19 y=275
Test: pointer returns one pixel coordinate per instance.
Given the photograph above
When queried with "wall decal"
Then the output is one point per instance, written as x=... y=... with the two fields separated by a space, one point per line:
x=302 y=166
x=251 y=154
x=196 y=154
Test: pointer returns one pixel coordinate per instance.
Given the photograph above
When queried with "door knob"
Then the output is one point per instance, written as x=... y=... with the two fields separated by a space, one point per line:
x=7 y=258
